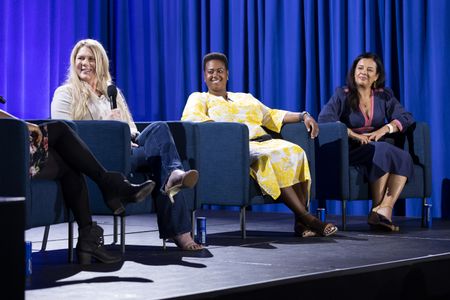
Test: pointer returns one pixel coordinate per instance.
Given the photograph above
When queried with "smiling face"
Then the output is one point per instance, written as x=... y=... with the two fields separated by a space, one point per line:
x=85 y=66
x=216 y=76
x=366 y=73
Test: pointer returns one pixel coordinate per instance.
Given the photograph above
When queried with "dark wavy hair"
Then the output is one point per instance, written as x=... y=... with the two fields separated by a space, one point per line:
x=353 y=94
x=215 y=55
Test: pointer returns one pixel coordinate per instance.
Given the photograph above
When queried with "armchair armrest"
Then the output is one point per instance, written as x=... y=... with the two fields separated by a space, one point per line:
x=296 y=133
x=332 y=161
x=223 y=163
x=40 y=121
x=418 y=143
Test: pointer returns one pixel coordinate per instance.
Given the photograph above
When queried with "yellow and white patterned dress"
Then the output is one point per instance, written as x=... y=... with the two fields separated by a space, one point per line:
x=278 y=163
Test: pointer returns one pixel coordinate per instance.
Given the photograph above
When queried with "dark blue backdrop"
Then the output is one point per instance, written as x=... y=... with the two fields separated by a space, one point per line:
x=289 y=54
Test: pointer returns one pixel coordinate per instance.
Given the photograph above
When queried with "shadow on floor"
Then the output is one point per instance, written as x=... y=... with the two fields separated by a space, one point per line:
x=267 y=239
x=50 y=268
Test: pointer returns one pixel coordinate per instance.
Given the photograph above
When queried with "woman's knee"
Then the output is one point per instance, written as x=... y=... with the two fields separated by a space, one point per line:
x=58 y=127
x=159 y=126
x=156 y=130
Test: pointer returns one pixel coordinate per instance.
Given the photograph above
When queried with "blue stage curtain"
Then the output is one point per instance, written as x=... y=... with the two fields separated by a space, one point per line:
x=290 y=54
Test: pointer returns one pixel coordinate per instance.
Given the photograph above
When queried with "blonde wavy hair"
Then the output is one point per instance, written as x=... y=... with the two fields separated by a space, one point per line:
x=81 y=90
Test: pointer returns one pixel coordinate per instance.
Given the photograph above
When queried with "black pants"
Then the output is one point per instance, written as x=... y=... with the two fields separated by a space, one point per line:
x=69 y=158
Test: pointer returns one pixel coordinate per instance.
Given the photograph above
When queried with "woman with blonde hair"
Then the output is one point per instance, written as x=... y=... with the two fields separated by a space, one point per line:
x=88 y=78
x=84 y=96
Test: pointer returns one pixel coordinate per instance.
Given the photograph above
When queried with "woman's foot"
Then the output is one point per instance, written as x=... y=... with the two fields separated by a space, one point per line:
x=185 y=242
x=380 y=219
x=301 y=230
x=384 y=210
x=178 y=180
x=318 y=227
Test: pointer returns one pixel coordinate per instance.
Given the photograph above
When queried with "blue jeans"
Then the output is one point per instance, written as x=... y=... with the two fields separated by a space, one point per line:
x=157 y=156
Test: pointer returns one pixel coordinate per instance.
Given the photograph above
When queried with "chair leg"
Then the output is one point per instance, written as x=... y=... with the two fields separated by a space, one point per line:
x=115 y=229
x=193 y=224
x=122 y=234
x=70 y=258
x=344 y=211
x=242 y=220
x=45 y=238
x=424 y=201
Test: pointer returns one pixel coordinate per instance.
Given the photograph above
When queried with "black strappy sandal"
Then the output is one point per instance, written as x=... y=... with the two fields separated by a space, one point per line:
x=377 y=221
x=303 y=231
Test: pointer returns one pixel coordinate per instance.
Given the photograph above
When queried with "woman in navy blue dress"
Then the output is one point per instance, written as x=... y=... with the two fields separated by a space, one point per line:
x=371 y=111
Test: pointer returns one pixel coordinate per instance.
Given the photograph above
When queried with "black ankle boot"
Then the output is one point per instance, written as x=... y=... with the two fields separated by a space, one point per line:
x=90 y=244
x=117 y=189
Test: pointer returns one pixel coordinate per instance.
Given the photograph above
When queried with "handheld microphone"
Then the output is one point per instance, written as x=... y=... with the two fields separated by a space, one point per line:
x=2 y=100
x=112 y=95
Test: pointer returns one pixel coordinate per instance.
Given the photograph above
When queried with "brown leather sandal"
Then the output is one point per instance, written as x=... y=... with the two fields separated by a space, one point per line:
x=379 y=222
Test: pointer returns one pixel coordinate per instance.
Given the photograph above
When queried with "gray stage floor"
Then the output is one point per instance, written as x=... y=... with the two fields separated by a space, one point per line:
x=269 y=253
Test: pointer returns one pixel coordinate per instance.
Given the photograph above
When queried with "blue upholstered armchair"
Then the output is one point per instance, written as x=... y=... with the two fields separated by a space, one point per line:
x=44 y=202
x=337 y=180
x=109 y=141
x=224 y=165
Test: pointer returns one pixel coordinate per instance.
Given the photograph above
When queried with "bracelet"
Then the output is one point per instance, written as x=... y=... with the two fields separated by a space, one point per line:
x=305 y=113
x=391 y=128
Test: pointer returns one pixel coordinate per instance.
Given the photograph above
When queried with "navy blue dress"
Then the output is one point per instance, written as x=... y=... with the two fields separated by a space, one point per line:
x=374 y=159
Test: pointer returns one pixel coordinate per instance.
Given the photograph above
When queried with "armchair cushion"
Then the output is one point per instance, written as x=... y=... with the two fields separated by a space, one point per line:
x=223 y=163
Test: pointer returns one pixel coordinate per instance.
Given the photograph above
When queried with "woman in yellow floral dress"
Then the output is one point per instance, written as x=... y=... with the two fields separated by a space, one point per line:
x=280 y=167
